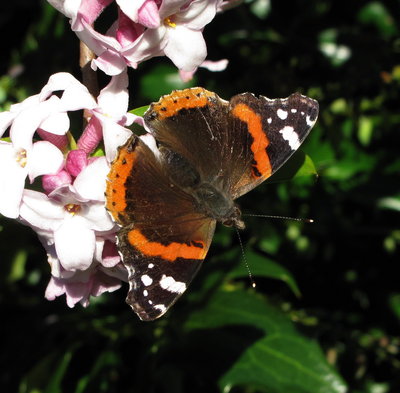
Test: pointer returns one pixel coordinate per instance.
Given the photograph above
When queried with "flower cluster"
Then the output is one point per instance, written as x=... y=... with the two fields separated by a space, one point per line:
x=144 y=29
x=65 y=203
x=69 y=214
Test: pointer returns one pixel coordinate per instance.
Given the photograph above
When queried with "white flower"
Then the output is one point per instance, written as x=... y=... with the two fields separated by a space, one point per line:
x=72 y=216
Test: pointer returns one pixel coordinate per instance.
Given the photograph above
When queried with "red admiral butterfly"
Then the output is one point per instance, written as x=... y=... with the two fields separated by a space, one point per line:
x=167 y=202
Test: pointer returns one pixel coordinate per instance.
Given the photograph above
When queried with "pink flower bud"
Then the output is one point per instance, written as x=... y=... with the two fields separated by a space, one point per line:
x=91 y=136
x=148 y=15
x=76 y=161
x=51 y=182
x=60 y=141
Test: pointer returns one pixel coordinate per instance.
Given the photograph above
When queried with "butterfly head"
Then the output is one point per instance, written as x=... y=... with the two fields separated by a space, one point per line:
x=235 y=219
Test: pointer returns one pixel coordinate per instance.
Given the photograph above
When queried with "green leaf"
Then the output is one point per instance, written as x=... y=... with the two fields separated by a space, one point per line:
x=299 y=165
x=139 y=111
x=375 y=13
x=280 y=364
x=281 y=361
x=261 y=8
x=99 y=152
x=162 y=79
x=262 y=266
x=391 y=203
x=105 y=362
x=365 y=130
x=394 y=302
x=18 y=266
x=56 y=377
x=48 y=373
x=71 y=141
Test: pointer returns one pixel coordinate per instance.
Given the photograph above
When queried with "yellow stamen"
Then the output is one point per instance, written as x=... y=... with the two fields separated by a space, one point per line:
x=168 y=22
x=21 y=158
x=72 y=208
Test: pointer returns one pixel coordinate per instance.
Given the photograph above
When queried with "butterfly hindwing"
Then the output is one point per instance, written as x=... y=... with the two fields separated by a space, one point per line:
x=163 y=239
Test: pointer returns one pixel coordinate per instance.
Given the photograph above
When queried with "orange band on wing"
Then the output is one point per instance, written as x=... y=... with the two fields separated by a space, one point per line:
x=170 y=252
x=262 y=166
x=115 y=191
x=171 y=104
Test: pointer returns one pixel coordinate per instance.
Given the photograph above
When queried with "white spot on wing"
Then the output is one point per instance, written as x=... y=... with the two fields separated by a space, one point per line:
x=291 y=136
x=294 y=110
x=282 y=114
x=161 y=307
x=269 y=120
x=146 y=280
x=145 y=292
x=310 y=122
x=169 y=284
x=150 y=265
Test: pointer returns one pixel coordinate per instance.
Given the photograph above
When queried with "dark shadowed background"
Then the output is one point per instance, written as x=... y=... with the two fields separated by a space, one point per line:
x=325 y=313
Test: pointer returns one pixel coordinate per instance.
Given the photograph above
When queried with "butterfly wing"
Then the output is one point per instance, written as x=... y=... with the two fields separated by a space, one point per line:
x=163 y=239
x=234 y=145
x=193 y=124
x=270 y=131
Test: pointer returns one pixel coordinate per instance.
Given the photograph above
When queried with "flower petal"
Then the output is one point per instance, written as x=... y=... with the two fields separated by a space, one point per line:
x=110 y=256
x=97 y=218
x=97 y=42
x=12 y=181
x=41 y=212
x=55 y=288
x=198 y=14
x=185 y=47
x=91 y=182
x=67 y=7
x=6 y=118
x=44 y=159
x=75 y=96
x=75 y=244
x=215 y=66
x=171 y=7
x=110 y=62
x=113 y=99
x=104 y=283
x=130 y=8
x=114 y=136
x=78 y=292
x=148 y=45
x=29 y=119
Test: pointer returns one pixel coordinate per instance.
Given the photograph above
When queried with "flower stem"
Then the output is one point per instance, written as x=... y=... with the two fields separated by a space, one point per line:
x=89 y=76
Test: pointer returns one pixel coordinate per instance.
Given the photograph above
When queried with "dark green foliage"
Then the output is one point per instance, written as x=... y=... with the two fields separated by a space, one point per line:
x=325 y=313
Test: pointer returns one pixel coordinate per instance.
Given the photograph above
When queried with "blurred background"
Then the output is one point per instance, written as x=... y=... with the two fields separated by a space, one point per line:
x=325 y=314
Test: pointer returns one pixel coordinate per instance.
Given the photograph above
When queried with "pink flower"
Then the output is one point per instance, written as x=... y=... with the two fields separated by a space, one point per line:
x=109 y=112
x=21 y=157
x=144 y=29
x=81 y=286
x=215 y=66
x=46 y=115
x=72 y=216
x=104 y=275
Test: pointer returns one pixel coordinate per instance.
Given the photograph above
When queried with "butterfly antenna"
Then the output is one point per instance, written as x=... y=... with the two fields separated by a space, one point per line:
x=253 y=283
x=307 y=220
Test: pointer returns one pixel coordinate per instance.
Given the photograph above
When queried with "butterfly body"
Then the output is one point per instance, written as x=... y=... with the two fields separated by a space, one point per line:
x=168 y=198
